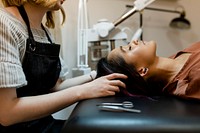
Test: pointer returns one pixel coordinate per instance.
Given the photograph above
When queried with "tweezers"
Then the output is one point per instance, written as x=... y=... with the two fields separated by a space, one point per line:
x=117 y=109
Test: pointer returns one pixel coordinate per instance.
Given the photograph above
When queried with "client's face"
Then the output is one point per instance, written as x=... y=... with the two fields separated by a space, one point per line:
x=137 y=53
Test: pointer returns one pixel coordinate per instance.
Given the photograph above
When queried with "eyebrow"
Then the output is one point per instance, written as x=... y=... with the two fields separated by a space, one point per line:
x=122 y=49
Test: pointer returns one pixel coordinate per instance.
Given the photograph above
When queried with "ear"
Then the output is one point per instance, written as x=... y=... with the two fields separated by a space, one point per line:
x=143 y=71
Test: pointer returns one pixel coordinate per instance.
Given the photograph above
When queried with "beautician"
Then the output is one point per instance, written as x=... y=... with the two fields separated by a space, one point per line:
x=31 y=71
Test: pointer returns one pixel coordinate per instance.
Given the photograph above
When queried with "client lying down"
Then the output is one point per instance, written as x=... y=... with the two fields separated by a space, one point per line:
x=149 y=74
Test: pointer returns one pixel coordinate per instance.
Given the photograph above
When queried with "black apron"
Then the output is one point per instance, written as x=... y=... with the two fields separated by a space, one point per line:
x=41 y=65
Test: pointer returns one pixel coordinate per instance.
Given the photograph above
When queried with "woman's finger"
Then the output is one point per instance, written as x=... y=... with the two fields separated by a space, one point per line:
x=117 y=83
x=113 y=88
x=116 y=76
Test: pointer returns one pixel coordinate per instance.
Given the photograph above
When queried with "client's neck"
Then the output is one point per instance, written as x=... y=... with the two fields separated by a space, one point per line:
x=164 y=69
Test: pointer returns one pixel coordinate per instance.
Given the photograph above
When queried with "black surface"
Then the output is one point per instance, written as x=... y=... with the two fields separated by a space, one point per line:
x=162 y=115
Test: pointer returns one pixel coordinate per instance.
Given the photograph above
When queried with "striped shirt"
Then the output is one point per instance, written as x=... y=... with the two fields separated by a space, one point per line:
x=13 y=36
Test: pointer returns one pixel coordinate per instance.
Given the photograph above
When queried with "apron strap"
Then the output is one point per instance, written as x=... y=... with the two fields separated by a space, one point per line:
x=26 y=20
x=49 y=39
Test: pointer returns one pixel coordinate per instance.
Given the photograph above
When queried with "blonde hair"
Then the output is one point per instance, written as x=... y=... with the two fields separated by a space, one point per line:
x=50 y=23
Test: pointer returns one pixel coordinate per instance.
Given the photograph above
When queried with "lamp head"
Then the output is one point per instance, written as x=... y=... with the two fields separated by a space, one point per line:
x=180 y=22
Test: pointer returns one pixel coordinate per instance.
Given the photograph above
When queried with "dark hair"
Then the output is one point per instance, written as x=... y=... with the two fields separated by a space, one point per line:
x=135 y=84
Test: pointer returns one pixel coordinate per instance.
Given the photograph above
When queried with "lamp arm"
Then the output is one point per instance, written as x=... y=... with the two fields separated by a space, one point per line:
x=125 y=16
x=138 y=6
x=162 y=10
x=104 y=27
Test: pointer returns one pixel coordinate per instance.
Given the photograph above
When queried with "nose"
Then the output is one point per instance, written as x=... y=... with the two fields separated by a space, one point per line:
x=133 y=43
x=130 y=45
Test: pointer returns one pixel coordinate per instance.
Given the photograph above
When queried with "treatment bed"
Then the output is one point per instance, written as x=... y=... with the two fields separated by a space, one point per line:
x=163 y=114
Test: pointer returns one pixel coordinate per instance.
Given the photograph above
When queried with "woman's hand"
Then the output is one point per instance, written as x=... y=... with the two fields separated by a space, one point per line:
x=104 y=86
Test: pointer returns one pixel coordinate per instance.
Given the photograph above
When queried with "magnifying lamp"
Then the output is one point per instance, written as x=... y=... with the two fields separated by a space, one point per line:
x=180 y=22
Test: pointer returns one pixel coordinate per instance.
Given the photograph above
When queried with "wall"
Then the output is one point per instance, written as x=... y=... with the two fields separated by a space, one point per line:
x=156 y=26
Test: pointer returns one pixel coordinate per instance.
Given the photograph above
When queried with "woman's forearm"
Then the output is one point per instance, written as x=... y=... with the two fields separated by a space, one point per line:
x=23 y=109
x=76 y=81
x=15 y=110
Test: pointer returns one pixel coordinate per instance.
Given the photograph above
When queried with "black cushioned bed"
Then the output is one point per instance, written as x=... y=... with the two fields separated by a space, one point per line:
x=162 y=115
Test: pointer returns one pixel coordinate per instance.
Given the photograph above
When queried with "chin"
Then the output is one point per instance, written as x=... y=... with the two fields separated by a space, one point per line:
x=152 y=46
x=152 y=42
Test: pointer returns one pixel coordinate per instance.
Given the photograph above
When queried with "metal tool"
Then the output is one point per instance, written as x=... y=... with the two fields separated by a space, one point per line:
x=117 y=109
x=125 y=104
